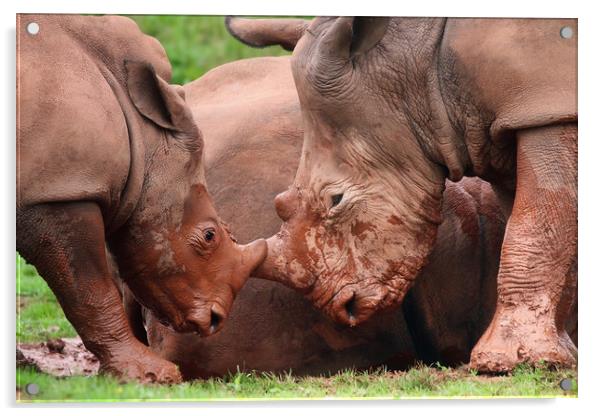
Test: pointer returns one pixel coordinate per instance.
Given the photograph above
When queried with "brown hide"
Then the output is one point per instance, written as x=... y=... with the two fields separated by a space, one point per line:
x=108 y=154
x=253 y=145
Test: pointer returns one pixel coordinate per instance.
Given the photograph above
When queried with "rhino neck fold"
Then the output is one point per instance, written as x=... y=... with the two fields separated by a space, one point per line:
x=131 y=191
x=449 y=147
x=420 y=93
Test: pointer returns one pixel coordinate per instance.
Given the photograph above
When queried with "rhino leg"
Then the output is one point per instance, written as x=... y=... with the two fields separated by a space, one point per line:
x=538 y=267
x=65 y=241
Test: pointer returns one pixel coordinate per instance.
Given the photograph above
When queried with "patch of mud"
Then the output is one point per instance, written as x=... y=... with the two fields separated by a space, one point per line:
x=22 y=303
x=60 y=357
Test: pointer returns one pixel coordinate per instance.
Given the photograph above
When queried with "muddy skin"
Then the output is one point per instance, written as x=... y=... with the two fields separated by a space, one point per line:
x=253 y=145
x=110 y=155
x=392 y=107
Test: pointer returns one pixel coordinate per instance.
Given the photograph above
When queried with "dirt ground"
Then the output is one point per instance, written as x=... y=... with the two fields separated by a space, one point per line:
x=59 y=357
x=64 y=357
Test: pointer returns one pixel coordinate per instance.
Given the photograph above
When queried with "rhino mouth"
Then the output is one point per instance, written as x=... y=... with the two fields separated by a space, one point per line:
x=203 y=322
x=354 y=304
x=206 y=321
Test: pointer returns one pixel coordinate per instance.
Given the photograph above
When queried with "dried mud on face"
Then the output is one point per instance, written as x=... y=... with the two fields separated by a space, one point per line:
x=60 y=357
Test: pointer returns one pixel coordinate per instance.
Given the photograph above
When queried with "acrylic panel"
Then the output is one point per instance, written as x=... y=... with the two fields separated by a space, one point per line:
x=226 y=208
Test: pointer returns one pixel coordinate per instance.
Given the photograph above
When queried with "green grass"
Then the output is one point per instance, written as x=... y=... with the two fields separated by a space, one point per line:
x=196 y=44
x=39 y=316
x=418 y=382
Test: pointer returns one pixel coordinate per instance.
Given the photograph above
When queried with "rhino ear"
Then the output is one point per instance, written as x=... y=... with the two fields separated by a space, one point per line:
x=259 y=33
x=352 y=36
x=160 y=102
x=367 y=32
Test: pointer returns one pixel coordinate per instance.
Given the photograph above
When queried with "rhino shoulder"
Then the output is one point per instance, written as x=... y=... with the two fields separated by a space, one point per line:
x=72 y=135
x=520 y=70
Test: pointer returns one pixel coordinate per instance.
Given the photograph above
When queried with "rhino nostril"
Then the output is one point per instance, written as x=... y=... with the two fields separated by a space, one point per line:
x=350 y=308
x=216 y=320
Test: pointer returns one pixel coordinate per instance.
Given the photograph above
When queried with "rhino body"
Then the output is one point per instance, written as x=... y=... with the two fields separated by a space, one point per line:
x=395 y=108
x=253 y=143
x=108 y=154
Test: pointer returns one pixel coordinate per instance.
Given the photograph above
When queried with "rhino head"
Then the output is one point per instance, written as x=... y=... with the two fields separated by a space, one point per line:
x=174 y=252
x=361 y=216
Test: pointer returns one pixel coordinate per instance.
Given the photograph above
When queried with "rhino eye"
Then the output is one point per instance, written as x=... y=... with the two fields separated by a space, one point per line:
x=209 y=235
x=336 y=199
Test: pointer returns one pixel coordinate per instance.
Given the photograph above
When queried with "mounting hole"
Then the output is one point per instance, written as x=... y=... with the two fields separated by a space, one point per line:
x=566 y=384
x=33 y=28
x=32 y=389
x=566 y=32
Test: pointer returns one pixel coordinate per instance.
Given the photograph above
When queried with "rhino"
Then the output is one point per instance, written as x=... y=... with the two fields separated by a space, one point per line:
x=109 y=155
x=253 y=140
x=393 y=108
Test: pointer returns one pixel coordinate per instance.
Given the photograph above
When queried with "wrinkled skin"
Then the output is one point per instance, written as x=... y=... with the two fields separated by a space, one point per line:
x=393 y=107
x=253 y=144
x=109 y=154
x=252 y=131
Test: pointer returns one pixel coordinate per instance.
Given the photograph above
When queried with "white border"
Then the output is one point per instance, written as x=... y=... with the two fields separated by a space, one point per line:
x=590 y=152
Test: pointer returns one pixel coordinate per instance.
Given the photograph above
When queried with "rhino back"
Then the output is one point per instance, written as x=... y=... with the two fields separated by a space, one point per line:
x=75 y=120
x=72 y=136
x=249 y=113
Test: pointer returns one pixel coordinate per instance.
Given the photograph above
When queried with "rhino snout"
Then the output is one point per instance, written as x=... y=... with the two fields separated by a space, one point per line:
x=206 y=321
x=351 y=306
